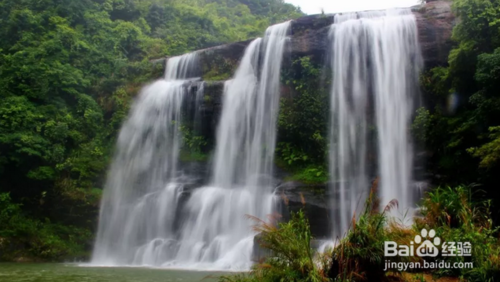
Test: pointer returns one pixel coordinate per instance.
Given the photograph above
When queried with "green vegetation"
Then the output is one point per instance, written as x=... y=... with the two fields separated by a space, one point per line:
x=24 y=238
x=455 y=216
x=194 y=147
x=460 y=128
x=359 y=256
x=68 y=71
x=303 y=123
x=291 y=259
x=218 y=68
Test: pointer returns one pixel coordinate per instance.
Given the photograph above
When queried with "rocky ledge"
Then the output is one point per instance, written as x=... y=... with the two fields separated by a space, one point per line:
x=309 y=37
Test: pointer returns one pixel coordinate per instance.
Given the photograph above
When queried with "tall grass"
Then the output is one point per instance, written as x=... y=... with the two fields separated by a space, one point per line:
x=291 y=259
x=359 y=255
x=458 y=217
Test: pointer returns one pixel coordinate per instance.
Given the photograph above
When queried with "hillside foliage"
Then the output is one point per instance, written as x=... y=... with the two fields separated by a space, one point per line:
x=68 y=70
x=459 y=128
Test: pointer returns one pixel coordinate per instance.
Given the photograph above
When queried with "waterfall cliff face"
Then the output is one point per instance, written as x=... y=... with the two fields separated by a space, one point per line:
x=375 y=61
x=146 y=217
x=153 y=215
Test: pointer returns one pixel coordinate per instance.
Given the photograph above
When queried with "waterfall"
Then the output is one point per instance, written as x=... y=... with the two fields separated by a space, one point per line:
x=140 y=198
x=182 y=67
x=217 y=234
x=375 y=61
x=148 y=216
x=247 y=132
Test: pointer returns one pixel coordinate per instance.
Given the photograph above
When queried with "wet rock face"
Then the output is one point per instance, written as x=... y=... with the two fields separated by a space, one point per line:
x=309 y=37
x=220 y=62
x=313 y=199
x=435 y=23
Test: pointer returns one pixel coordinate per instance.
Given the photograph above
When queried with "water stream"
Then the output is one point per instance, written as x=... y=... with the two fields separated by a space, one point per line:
x=153 y=213
x=149 y=216
x=143 y=186
x=375 y=61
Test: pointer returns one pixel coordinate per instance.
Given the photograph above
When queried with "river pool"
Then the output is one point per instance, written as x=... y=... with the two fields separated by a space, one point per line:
x=59 y=272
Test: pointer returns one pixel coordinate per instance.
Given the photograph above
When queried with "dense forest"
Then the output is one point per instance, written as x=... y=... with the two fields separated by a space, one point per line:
x=68 y=71
x=460 y=125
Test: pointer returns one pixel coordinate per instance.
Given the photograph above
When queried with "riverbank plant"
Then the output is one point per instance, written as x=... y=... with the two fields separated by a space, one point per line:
x=453 y=213
x=359 y=255
x=23 y=238
x=291 y=256
x=457 y=216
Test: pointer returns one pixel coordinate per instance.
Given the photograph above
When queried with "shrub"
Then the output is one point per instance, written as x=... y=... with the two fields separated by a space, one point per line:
x=457 y=218
x=360 y=254
x=27 y=237
x=291 y=259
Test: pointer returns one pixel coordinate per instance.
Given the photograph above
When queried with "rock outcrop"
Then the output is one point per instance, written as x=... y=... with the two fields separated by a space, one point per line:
x=313 y=199
x=435 y=23
x=310 y=38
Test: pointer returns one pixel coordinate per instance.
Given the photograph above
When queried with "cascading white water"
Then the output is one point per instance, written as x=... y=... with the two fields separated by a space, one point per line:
x=145 y=217
x=217 y=234
x=394 y=104
x=140 y=199
x=375 y=60
x=181 y=67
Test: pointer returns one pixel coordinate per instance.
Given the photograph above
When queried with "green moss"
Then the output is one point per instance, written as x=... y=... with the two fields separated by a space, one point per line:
x=305 y=173
x=214 y=75
x=192 y=156
x=216 y=67
x=310 y=175
x=23 y=236
x=207 y=98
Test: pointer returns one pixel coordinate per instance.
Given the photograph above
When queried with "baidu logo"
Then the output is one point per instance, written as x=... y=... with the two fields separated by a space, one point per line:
x=427 y=248
x=427 y=244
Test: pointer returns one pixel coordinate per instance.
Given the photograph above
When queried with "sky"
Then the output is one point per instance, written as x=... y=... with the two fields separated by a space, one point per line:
x=336 y=6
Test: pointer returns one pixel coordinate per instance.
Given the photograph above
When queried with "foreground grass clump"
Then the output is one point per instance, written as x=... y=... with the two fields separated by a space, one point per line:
x=457 y=217
x=291 y=259
x=451 y=212
x=359 y=256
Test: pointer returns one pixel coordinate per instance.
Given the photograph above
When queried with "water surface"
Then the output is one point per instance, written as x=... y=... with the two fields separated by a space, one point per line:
x=53 y=272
